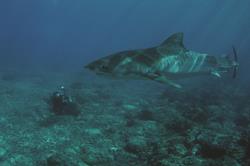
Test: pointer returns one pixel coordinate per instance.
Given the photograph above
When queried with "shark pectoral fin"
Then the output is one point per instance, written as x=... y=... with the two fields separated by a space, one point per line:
x=165 y=80
x=216 y=74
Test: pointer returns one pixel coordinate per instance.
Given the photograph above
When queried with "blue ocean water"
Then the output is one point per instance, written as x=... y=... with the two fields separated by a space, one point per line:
x=44 y=44
x=76 y=32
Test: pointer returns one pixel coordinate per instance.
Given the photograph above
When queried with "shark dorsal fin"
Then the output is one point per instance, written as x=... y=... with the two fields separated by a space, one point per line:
x=175 y=39
x=172 y=44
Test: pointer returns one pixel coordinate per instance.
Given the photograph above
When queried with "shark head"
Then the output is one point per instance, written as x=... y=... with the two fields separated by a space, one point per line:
x=109 y=65
x=100 y=66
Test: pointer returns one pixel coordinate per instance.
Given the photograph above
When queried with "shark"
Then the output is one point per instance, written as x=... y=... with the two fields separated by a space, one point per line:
x=164 y=63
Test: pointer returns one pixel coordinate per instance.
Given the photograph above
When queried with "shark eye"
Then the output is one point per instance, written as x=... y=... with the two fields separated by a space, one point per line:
x=105 y=67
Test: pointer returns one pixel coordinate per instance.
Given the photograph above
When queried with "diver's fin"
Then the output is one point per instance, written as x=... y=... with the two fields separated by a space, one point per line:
x=165 y=80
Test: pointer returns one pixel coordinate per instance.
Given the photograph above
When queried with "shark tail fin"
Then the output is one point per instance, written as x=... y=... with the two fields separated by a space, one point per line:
x=235 y=66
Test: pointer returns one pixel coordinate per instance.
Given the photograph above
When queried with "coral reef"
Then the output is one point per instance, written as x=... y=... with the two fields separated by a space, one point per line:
x=118 y=124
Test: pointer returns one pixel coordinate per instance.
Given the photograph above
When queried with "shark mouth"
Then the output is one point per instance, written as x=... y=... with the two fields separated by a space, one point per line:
x=235 y=63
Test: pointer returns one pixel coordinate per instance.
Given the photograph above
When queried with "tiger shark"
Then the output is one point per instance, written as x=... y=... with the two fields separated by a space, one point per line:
x=164 y=63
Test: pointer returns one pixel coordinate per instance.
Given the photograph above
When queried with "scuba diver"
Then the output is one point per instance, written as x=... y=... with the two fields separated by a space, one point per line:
x=62 y=104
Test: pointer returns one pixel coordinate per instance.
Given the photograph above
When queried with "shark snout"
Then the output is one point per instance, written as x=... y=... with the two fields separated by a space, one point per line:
x=91 y=66
x=88 y=66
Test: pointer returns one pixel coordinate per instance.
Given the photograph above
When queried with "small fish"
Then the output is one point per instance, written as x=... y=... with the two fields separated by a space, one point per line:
x=164 y=63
